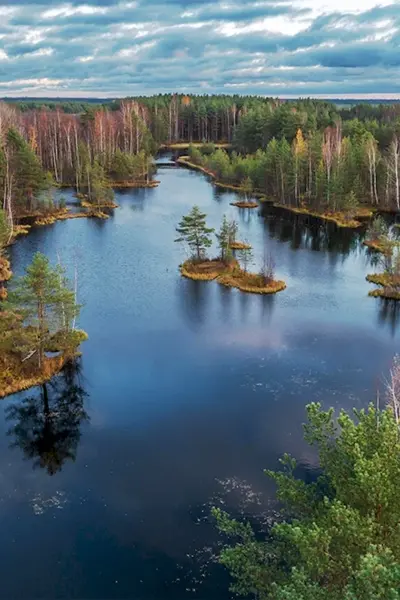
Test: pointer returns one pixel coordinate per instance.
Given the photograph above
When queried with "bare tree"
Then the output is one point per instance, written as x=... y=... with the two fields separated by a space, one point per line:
x=393 y=388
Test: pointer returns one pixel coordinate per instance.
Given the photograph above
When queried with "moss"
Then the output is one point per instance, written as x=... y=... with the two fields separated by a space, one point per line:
x=230 y=275
x=239 y=246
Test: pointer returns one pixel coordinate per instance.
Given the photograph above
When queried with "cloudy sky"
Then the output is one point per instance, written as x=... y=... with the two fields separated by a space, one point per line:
x=112 y=48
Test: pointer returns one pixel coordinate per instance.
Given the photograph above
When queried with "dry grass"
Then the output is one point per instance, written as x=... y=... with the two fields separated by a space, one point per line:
x=86 y=204
x=135 y=184
x=340 y=218
x=208 y=270
x=93 y=213
x=5 y=269
x=241 y=204
x=239 y=246
x=390 y=285
x=13 y=378
x=388 y=293
x=230 y=275
x=379 y=246
x=251 y=283
x=185 y=145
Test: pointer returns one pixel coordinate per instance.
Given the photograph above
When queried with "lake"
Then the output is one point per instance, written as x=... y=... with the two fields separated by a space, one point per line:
x=185 y=392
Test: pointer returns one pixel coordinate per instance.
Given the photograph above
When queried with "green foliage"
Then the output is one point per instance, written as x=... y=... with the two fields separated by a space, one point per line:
x=377 y=229
x=245 y=258
x=341 y=539
x=193 y=230
x=4 y=230
x=224 y=237
x=47 y=303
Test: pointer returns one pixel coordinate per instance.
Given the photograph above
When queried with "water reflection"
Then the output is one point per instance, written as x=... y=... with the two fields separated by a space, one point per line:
x=389 y=313
x=47 y=426
x=303 y=231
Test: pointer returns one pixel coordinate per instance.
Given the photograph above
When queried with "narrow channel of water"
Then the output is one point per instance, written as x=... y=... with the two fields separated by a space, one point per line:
x=186 y=392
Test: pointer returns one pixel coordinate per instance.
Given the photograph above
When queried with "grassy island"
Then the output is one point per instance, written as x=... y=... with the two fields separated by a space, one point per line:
x=389 y=285
x=93 y=213
x=224 y=269
x=239 y=245
x=341 y=218
x=37 y=326
x=231 y=275
x=241 y=204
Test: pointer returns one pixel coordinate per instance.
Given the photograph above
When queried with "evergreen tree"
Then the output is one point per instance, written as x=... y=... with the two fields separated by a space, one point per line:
x=245 y=257
x=193 y=230
x=46 y=301
x=224 y=239
x=338 y=536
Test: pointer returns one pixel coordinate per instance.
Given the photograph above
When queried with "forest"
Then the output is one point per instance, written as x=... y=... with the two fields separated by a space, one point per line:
x=305 y=152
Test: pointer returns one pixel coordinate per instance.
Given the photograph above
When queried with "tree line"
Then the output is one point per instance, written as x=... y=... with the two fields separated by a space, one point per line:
x=322 y=169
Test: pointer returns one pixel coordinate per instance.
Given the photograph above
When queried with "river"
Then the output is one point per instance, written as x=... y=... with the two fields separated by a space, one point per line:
x=186 y=392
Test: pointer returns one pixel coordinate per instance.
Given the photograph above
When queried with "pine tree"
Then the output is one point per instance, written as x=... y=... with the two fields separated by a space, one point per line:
x=224 y=239
x=46 y=301
x=338 y=536
x=193 y=230
x=245 y=257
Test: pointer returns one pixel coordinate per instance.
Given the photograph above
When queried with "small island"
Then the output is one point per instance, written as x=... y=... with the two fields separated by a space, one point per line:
x=38 y=334
x=380 y=237
x=226 y=269
x=388 y=258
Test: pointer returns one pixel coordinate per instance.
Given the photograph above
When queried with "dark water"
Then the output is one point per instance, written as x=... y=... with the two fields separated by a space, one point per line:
x=186 y=392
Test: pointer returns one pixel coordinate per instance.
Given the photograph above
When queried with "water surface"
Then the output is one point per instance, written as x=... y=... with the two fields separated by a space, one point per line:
x=186 y=391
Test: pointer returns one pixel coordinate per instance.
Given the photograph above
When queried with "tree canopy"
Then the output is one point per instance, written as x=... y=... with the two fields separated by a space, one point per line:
x=338 y=537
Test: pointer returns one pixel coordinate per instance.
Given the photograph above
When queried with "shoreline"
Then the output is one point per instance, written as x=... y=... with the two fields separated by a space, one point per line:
x=229 y=275
x=53 y=366
x=183 y=161
x=339 y=218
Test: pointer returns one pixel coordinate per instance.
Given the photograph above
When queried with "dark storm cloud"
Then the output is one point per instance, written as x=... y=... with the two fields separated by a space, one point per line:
x=126 y=47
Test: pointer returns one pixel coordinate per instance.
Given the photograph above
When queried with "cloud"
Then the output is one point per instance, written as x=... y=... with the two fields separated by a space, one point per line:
x=127 y=47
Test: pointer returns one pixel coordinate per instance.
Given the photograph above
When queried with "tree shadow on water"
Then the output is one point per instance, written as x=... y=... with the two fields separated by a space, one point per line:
x=47 y=425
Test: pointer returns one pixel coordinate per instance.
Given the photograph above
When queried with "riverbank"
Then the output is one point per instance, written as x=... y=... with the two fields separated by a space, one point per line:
x=230 y=275
x=52 y=218
x=340 y=218
x=185 y=162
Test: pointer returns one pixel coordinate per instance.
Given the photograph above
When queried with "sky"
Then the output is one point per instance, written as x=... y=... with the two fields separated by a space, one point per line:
x=115 y=48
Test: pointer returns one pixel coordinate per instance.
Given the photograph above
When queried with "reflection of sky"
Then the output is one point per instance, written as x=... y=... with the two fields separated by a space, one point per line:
x=188 y=383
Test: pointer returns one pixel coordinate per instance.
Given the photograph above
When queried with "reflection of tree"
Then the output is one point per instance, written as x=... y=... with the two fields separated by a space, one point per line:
x=303 y=231
x=389 y=313
x=47 y=425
